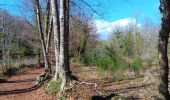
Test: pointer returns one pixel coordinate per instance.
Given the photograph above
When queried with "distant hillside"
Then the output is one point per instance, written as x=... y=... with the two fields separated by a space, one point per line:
x=17 y=31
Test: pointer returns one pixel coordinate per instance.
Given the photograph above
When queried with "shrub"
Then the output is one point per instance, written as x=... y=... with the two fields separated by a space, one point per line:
x=13 y=70
x=16 y=50
x=116 y=67
x=10 y=71
x=136 y=64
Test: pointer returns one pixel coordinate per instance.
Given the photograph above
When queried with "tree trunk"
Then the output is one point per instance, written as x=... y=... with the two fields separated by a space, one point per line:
x=56 y=26
x=49 y=35
x=38 y=14
x=39 y=58
x=66 y=46
x=48 y=44
x=47 y=20
x=4 y=42
x=63 y=42
x=163 y=43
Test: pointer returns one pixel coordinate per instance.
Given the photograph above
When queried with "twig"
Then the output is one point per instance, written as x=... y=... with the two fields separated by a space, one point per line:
x=92 y=9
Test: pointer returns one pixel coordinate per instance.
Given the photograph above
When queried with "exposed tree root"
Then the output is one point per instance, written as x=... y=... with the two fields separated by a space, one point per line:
x=88 y=83
x=43 y=77
x=76 y=79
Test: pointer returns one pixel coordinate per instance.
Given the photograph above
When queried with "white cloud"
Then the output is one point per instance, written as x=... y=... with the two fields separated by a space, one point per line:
x=106 y=27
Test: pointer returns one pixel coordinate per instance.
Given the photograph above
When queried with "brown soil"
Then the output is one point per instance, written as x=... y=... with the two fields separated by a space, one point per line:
x=142 y=86
x=21 y=87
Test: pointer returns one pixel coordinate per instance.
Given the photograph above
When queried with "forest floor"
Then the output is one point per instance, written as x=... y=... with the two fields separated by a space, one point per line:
x=142 y=86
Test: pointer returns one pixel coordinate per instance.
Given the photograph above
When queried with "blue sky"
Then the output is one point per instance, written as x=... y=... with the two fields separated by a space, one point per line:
x=15 y=7
x=119 y=9
x=12 y=6
x=124 y=12
x=114 y=12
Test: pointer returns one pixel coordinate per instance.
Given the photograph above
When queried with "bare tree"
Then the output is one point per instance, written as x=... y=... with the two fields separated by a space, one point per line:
x=4 y=41
x=66 y=45
x=163 y=43
x=55 y=16
x=47 y=19
x=38 y=15
x=49 y=35
x=48 y=31
x=62 y=65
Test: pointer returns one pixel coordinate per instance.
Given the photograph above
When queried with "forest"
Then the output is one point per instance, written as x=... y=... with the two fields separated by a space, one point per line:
x=70 y=50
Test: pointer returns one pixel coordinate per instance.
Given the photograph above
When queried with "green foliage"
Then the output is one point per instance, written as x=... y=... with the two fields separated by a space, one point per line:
x=1 y=36
x=136 y=64
x=17 y=49
x=138 y=43
x=53 y=87
x=85 y=60
x=109 y=58
x=123 y=52
x=111 y=52
x=116 y=44
x=82 y=46
x=114 y=64
x=62 y=97
x=127 y=45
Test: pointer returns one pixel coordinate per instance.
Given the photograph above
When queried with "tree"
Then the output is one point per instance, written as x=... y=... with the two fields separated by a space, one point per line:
x=61 y=38
x=83 y=35
x=48 y=31
x=4 y=41
x=63 y=68
x=163 y=42
x=56 y=26
x=47 y=19
x=40 y=30
x=66 y=45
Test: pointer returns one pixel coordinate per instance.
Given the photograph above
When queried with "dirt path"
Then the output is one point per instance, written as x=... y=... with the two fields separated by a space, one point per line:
x=22 y=87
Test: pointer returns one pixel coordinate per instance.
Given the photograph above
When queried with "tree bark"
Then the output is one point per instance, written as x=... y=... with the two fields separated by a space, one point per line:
x=48 y=44
x=56 y=26
x=63 y=42
x=38 y=14
x=163 y=43
x=49 y=35
x=4 y=42
x=66 y=46
x=47 y=20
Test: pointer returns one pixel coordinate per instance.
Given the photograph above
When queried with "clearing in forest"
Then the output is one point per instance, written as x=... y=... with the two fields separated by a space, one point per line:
x=22 y=86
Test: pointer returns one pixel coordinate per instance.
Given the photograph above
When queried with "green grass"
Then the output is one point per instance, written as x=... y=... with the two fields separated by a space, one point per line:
x=136 y=64
x=53 y=87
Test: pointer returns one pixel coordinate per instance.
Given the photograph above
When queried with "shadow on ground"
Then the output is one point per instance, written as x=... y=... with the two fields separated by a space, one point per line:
x=16 y=81
x=20 y=90
x=109 y=97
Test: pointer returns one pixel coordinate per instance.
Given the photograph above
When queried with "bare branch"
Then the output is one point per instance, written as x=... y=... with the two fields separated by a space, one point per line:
x=92 y=9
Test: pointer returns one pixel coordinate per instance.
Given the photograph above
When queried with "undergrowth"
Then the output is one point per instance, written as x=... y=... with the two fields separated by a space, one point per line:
x=10 y=71
x=53 y=87
x=114 y=65
x=136 y=64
